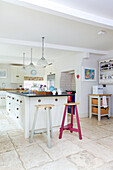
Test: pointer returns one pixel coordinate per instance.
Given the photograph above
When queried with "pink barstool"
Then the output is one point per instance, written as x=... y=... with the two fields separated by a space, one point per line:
x=70 y=126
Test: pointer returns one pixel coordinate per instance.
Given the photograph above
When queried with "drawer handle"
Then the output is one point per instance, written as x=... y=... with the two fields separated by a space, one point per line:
x=17 y=100
x=20 y=101
x=17 y=117
x=17 y=108
x=39 y=100
x=56 y=100
x=9 y=109
x=9 y=103
x=13 y=98
x=1 y=97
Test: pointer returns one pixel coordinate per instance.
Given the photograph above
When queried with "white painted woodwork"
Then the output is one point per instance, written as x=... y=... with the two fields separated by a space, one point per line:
x=106 y=75
x=16 y=75
x=99 y=97
x=23 y=113
x=3 y=100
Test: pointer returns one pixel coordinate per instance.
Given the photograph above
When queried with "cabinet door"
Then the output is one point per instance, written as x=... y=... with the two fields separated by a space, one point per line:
x=20 y=78
x=3 y=100
x=8 y=104
x=0 y=100
x=14 y=74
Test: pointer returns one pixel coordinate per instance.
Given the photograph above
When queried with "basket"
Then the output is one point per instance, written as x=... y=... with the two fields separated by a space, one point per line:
x=95 y=101
x=102 y=111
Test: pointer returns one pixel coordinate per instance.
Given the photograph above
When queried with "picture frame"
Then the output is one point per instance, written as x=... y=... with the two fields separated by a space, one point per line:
x=3 y=73
x=89 y=74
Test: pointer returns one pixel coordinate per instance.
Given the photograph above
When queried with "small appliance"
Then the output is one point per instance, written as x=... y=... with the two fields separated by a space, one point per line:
x=98 y=89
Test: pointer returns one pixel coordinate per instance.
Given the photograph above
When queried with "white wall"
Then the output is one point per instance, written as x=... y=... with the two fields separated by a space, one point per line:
x=92 y=62
x=69 y=63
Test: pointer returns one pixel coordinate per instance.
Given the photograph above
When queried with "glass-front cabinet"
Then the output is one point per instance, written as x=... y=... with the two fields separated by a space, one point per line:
x=106 y=71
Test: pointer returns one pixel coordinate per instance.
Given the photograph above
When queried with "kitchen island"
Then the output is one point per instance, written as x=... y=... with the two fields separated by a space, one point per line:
x=21 y=108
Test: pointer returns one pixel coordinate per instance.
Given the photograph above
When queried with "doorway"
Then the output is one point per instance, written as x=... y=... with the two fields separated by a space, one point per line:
x=67 y=81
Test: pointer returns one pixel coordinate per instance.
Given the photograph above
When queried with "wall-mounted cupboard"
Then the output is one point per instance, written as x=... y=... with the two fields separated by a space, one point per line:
x=106 y=71
x=17 y=76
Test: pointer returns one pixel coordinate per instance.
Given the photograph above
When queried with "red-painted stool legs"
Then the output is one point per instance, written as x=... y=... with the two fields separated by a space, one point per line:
x=62 y=126
x=78 y=124
x=70 y=126
x=71 y=118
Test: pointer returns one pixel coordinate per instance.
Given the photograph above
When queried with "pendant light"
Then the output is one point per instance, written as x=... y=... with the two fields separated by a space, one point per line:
x=31 y=65
x=42 y=62
x=23 y=68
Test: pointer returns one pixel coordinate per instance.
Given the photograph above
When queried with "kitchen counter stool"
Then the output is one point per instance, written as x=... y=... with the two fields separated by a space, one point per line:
x=70 y=126
x=47 y=107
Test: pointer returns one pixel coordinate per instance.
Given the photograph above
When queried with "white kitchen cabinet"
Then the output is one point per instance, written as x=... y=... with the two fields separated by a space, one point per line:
x=24 y=110
x=57 y=111
x=8 y=103
x=16 y=75
x=15 y=108
x=2 y=101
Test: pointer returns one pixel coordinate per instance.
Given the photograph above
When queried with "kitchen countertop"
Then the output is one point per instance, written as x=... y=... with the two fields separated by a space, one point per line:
x=11 y=90
x=34 y=95
x=99 y=94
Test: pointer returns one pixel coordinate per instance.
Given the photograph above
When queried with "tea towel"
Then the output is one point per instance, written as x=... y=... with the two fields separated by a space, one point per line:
x=104 y=102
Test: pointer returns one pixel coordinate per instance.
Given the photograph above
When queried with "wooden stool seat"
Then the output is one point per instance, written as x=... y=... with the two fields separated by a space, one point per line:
x=71 y=104
x=44 y=105
x=70 y=125
x=49 y=130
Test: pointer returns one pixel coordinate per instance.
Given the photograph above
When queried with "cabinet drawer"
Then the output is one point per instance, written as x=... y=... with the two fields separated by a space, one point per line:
x=95 y=101
x=102 y=111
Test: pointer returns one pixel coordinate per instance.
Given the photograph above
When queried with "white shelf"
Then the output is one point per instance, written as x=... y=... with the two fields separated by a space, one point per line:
x=100 y=106
x=108 y=72
x=100 y=114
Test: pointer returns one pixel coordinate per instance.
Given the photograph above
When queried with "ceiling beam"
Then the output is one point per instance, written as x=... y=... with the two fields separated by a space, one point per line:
x=64 y=11
x=50 y=46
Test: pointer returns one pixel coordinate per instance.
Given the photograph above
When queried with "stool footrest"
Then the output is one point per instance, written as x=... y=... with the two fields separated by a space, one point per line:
x=69 y=127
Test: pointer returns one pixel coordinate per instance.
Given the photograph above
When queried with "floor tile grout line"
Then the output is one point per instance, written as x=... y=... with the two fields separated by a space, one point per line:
x=17 y=152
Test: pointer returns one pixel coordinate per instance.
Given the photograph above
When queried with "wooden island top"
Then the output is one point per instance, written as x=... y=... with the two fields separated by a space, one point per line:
x=100 y=94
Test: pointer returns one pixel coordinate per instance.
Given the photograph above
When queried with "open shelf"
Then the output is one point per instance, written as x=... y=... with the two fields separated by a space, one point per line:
x=106 y=72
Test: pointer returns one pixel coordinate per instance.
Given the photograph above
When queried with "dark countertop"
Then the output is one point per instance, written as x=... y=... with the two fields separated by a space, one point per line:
x=34 y=95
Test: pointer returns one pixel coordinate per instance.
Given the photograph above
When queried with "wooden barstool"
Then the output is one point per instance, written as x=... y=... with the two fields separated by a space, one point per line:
x=70 y=126
x=47 y=107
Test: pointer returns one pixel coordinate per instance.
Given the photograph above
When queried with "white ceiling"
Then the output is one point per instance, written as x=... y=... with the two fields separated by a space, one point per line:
x=103 y=8
x=26 y=26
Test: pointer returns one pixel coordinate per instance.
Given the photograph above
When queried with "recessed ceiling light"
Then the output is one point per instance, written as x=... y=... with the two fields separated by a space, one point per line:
x=101 y=32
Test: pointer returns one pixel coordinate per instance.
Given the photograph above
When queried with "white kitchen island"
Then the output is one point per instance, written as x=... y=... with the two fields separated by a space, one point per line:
x=21 y=108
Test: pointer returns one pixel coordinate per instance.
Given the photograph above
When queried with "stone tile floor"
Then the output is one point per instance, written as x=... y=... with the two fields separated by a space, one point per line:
x=93 y=152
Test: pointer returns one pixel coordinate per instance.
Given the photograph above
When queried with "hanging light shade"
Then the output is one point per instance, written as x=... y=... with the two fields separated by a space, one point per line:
x=23 y=68
x=42 y=62
x=31 y=65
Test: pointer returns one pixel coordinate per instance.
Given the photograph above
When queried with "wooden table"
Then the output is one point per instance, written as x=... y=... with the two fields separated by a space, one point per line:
x=99 y=97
